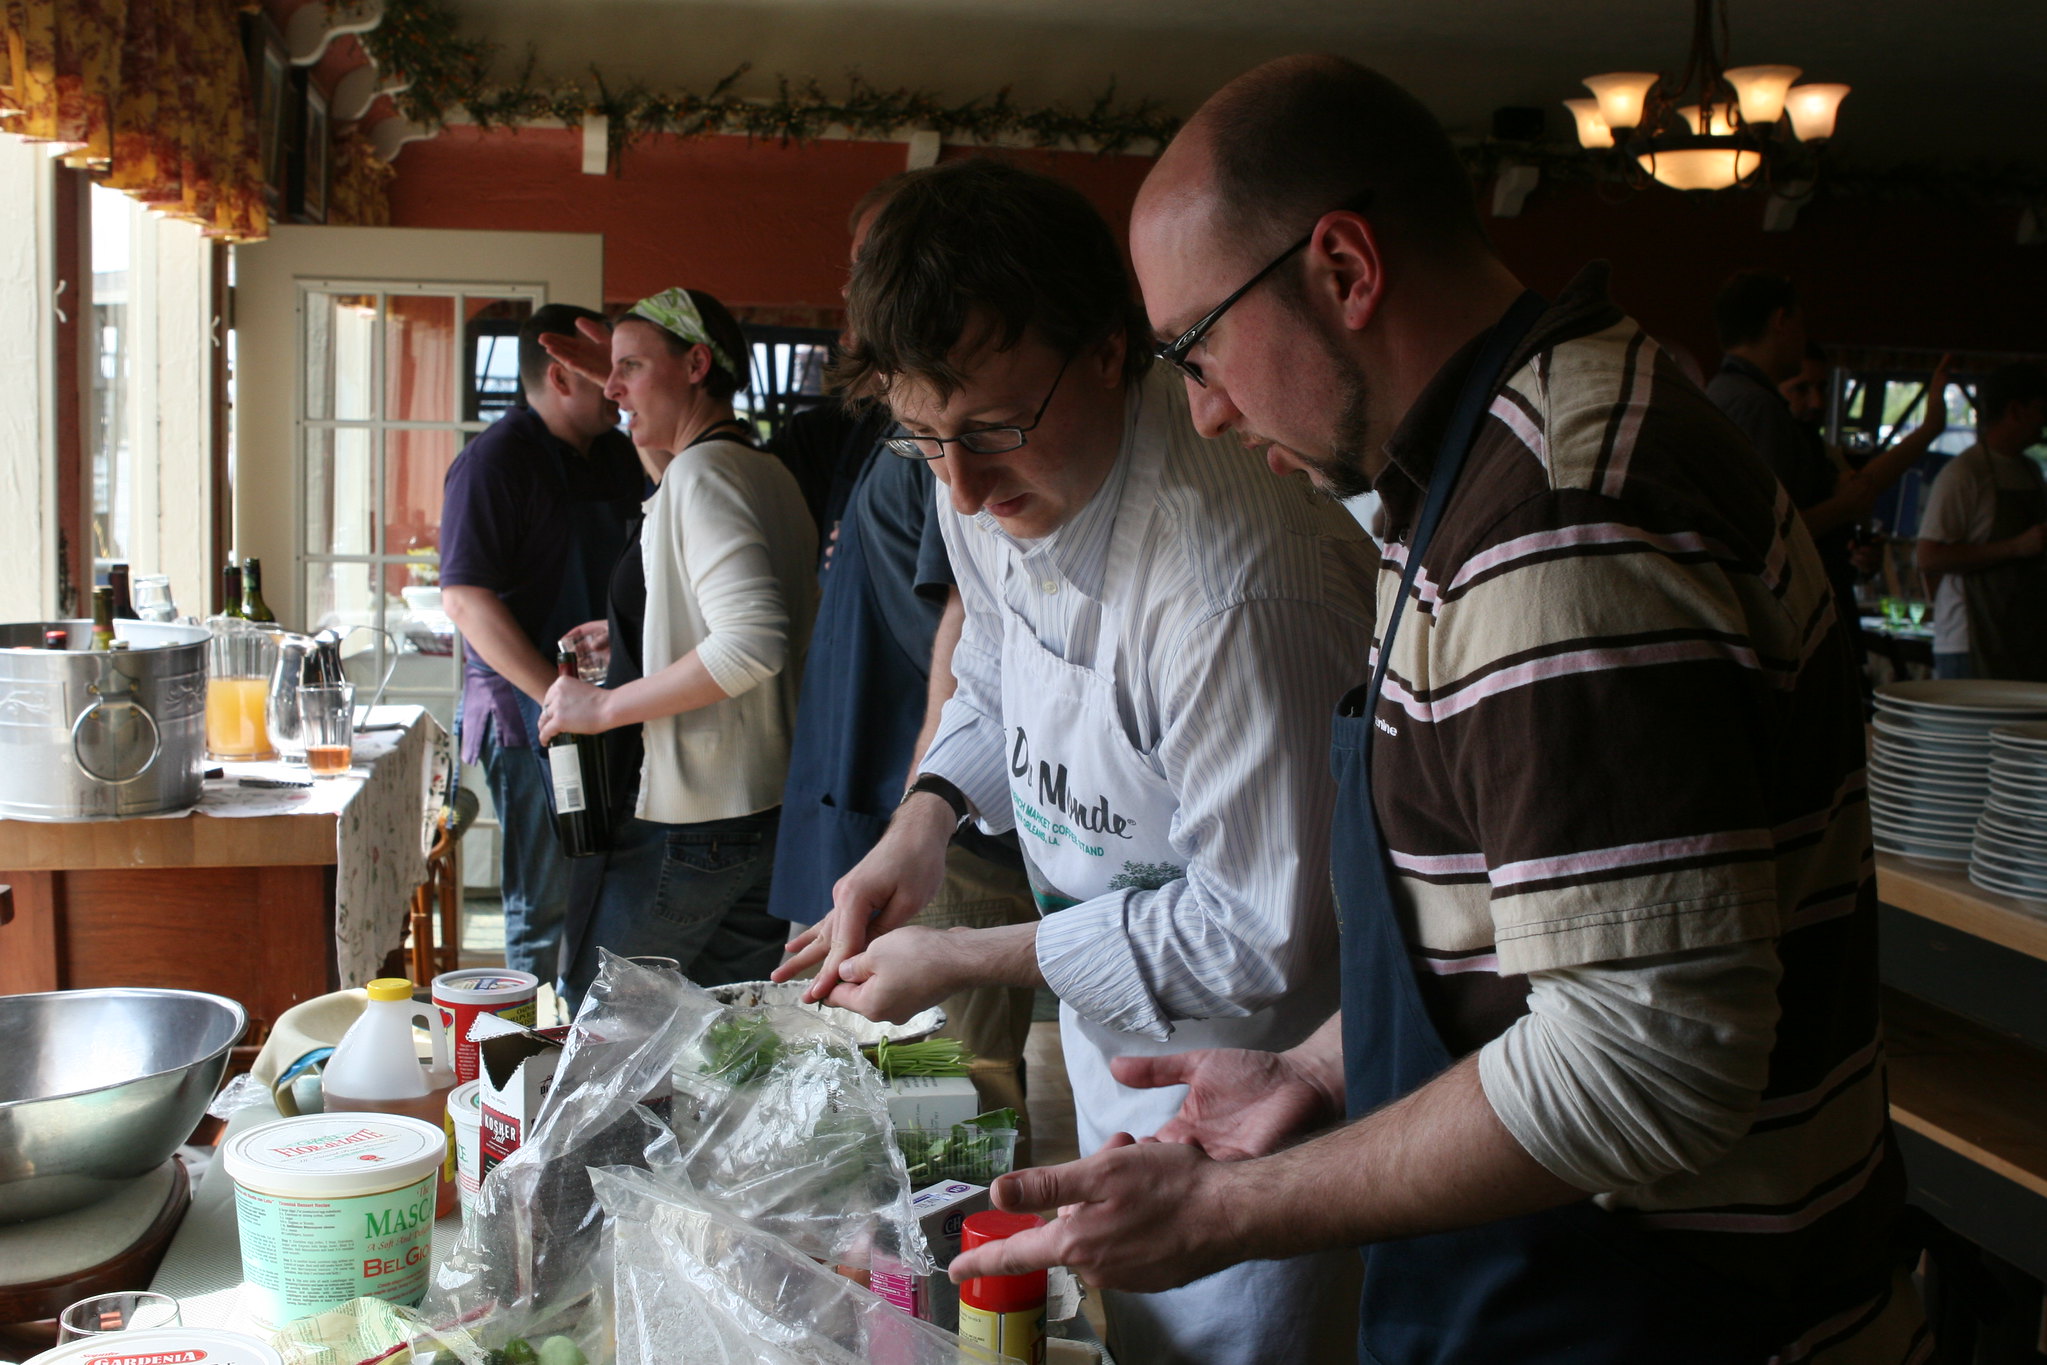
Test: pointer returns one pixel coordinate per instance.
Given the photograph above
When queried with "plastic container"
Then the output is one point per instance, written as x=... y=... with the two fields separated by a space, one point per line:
x=465 y=1119
x=376 y=1067
x=334 y=1207
x=153 y=1344
x=1003 y=1312
x=461 y=996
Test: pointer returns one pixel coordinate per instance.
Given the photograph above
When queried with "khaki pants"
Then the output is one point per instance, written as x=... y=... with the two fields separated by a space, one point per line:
x=992 y=1022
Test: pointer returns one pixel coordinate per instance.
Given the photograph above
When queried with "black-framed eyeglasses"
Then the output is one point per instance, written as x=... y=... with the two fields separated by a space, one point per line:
x=982 y=440
x=1174 y=352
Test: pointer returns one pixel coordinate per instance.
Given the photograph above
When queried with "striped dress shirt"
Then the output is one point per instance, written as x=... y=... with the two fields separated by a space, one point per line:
x=1248 y=615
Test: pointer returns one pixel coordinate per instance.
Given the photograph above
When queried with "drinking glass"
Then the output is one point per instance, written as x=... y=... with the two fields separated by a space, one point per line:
x=1894 y=610
x=104 y=1313
x=152 y=597
x=1916 y=609
x=327 y=720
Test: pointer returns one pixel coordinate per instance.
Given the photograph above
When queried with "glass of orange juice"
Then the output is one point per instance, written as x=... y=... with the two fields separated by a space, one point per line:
x=238 y=662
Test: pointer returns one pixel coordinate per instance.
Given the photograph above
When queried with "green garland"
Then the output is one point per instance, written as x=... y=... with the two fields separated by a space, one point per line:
x=417 y=40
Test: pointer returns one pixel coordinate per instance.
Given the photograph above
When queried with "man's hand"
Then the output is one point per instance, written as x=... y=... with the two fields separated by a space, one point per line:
x=573 y=707
x=899 y=974
x=1239 y=1103
x=588 y=355
x=1137 y=1216
x=1936 y=399
x=885 y=889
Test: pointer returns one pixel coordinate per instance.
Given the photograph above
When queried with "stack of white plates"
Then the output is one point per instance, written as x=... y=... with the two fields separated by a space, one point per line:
x=2010 y=852
x=1929 y=770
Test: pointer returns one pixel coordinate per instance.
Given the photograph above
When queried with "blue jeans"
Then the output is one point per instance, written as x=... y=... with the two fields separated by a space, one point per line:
x=696 y=893
x=532 y=874
x=1952 y=666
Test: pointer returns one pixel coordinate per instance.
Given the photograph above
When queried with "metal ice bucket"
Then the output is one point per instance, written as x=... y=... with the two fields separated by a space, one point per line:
x=96 y=734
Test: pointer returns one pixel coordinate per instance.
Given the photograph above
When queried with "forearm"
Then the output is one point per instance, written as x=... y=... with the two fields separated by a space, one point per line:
x=1432 y=1161
x=489 y=632
x=1850 y=501
x=938 y=691
x=685 y=685
x=1007 y=956
x=1962 y=557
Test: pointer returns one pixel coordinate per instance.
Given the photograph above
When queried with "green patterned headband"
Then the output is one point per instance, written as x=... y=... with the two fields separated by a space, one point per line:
x=676 y=311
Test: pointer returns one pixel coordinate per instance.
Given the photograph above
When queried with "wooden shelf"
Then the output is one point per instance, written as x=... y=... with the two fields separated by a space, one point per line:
x=1947 y=896
x=1975 y=1092
x=194 y=840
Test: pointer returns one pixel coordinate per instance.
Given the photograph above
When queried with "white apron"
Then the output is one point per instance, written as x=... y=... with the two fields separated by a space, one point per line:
x=1092 y=815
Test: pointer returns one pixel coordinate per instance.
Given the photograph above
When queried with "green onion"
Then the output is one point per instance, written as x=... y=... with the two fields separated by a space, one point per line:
x=932 y=1057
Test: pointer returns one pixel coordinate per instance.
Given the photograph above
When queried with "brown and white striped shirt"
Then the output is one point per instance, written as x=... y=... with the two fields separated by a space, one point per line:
x=1620 y=731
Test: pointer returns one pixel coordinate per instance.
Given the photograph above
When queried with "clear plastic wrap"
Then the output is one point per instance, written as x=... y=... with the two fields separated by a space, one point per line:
x=696 y=1286
x=774 y=1121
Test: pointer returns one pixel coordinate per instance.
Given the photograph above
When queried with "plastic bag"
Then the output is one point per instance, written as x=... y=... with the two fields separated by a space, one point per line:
x=696 y=1286
x=777 y=1123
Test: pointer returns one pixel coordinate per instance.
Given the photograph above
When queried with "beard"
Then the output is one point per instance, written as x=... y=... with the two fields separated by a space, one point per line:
x=1341 y=474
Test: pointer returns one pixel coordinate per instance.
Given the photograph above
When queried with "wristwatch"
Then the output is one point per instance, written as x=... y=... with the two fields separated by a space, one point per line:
x=946 y=792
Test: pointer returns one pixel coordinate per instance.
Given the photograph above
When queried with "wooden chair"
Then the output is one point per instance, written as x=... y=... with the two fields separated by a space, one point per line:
x=443 y=889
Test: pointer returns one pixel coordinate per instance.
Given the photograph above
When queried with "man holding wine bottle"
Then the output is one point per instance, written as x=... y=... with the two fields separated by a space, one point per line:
x=534 y=516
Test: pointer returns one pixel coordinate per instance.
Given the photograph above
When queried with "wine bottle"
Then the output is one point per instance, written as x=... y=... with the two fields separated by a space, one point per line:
x=102 y=618
x=253 y=605
x=576 y=763
x=231 y=591
x=124 y=599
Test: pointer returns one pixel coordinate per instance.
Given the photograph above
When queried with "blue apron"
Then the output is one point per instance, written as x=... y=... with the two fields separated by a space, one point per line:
x=1573 y=1284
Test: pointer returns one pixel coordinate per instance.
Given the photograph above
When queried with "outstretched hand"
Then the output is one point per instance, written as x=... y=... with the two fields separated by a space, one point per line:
x=1240 y=1103
x=587 y=354
x=896 y=879
x=1137 y=1216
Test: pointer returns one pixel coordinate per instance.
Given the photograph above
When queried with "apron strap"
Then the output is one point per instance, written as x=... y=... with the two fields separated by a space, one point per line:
x=1473 y=401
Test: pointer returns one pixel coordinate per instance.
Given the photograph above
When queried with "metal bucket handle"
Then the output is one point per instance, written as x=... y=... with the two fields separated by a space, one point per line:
x=123 y=697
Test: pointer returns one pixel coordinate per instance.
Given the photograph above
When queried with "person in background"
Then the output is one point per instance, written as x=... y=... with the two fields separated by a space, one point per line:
x=1985 y=533
x=1609 y=1046
x=710 y=612
x=879 y=672
x=534 y=516
x=1154 y=633
x=1772 y=384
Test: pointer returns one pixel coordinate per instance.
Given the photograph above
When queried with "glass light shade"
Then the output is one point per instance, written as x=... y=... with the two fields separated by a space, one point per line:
x=1701 y=168
x=1760 y=89
x=1812 y=109
x=1621 y=96
x=1723 y=120
x=1592 y=129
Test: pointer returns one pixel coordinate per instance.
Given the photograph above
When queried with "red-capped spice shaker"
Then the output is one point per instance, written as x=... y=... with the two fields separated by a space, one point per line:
x=1003 y=1312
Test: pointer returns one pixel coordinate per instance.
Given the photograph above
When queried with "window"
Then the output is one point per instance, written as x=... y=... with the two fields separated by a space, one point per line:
x=396 y=378
x=788 y=374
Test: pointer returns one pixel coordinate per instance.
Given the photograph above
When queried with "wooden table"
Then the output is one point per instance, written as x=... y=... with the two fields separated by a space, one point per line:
x=244 y=906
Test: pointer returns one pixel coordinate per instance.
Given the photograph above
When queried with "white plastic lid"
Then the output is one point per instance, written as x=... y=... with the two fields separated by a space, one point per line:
x=465 y=1102
x=163 y=1346
x=482 y=983
x=333 y=1156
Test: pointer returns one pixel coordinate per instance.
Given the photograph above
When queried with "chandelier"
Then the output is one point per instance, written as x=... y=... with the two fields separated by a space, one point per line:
x=1713 y=127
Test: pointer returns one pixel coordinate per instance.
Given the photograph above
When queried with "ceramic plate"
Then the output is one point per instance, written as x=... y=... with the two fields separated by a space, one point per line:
x=1959 y=830
x=1953 y=769
x=1971 y=788
x=2021 y=736
x=1946 y=741
x=1926 y=853
x=1990 y=881
x=2022 y=701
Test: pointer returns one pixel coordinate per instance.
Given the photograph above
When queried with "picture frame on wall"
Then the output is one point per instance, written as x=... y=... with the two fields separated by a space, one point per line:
x=311 y=154
x=270 y=74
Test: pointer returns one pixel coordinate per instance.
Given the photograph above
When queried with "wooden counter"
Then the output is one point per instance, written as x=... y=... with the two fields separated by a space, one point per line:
x=238 y=897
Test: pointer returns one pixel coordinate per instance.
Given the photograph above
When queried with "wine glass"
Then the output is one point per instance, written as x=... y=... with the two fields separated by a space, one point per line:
x=129 y=1312
x=1916 y=610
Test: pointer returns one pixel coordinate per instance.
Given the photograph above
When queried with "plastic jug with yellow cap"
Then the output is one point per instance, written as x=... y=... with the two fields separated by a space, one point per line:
x=376 y=1066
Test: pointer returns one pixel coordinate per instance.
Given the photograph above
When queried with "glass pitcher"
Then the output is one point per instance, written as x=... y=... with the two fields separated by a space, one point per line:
x=239 y=661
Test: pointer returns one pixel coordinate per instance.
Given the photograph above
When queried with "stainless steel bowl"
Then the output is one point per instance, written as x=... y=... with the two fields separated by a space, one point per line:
x=100 y=1086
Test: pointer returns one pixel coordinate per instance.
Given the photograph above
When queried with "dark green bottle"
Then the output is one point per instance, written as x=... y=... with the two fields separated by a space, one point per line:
x=253 y=605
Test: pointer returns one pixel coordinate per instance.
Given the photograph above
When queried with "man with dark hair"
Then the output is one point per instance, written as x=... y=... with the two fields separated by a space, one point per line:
x=1985 y=534
x=534 y=514
x=878 y=670
x=1608 y=1045
x=1154 y=632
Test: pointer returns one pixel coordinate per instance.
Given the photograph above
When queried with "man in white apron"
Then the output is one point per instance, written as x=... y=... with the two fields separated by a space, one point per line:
x=1156 y=632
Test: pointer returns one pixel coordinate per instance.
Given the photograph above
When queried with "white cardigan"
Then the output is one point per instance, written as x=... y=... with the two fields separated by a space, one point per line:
x=730 y=556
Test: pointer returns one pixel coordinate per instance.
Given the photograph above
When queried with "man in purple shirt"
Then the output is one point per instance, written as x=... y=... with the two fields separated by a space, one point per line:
x=534 y=514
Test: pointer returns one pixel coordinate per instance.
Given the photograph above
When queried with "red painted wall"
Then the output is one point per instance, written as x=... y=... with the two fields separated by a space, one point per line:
x=763 y=225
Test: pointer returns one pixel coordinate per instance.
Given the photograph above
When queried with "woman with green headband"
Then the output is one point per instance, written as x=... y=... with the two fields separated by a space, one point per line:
x=710 y=613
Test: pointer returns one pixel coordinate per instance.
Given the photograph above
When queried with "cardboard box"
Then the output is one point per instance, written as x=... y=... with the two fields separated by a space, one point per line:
x=940 y=1210
x=931 y=1101
x=516 y=1067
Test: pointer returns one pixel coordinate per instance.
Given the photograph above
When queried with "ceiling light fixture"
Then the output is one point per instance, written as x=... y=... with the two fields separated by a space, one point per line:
x=1659 y=130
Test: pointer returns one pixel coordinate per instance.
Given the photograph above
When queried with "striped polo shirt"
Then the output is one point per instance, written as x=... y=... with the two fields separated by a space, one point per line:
x=1621 y=720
